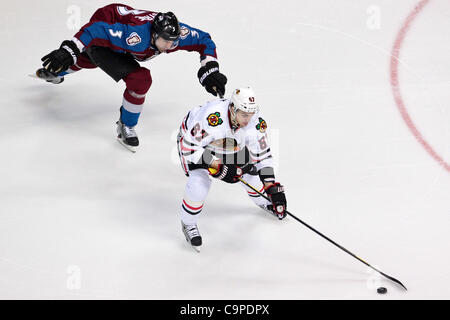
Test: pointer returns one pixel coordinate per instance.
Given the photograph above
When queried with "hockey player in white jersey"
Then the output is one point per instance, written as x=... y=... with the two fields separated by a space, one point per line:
x=226 y=139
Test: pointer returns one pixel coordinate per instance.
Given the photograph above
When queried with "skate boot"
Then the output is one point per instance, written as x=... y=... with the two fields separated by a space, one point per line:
x=46 y=75
x=127 y=136
x=192 y=235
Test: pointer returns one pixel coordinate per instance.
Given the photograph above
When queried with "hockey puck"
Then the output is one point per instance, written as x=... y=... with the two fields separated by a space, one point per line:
x=381 y=290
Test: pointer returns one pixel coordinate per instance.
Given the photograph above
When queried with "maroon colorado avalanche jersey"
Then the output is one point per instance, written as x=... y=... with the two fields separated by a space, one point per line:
x=124 y=29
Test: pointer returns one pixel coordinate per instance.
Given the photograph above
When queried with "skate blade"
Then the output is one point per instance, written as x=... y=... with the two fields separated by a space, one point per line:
x=34 y=76
x=196 y=248
x=130 y=148
x=269 y=212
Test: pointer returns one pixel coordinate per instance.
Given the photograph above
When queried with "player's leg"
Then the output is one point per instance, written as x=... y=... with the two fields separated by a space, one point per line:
x=138 y=83
x=195 y=194
x=138 y=80
x=255 y=182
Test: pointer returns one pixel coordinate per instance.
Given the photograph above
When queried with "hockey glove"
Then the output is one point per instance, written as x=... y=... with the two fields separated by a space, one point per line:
x=61 y=59
x=228 y=173
x=210 y=77
x=275 y=191
x=250 y=169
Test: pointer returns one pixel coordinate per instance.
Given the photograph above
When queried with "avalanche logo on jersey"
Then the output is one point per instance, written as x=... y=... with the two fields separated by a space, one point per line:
x=262 y=125
x=184 y=32
x=133 y=39
x=214 y=119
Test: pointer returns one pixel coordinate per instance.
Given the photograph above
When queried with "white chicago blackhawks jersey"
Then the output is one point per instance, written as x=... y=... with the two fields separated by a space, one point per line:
x=209 y=127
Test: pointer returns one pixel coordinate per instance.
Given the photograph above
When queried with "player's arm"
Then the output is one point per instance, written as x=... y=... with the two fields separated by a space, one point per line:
x=192 y=39
x=229 y=173
x=193 y=146
x=260 y=152
x=103 y=29
x=193 y=143
x=108 y=27
x=261 y=158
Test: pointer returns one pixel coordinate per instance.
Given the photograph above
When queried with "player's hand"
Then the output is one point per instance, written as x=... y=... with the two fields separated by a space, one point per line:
x=250 y=169
x=229 y=173
x=275 y=191
x=61 y=59
x=210 y=77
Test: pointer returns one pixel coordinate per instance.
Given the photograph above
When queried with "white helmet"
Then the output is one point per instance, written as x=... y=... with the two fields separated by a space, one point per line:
x=244 y=99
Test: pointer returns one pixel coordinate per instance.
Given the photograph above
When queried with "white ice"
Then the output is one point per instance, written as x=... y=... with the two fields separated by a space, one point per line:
x=83 y=218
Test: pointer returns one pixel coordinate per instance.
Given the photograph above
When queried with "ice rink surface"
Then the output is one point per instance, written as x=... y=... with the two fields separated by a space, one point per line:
x=361 y=139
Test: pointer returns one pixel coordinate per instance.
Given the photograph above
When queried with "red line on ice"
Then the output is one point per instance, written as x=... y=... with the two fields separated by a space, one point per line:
x=395 y=56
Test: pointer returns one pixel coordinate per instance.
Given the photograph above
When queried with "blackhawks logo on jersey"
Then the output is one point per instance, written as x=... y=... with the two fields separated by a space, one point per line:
x=262 y=125
x=214 y=119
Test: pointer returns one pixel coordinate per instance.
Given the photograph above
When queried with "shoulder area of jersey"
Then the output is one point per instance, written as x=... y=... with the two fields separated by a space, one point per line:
x=257 y=123
x=185 y=30
x=219 y=104
x=215 y=113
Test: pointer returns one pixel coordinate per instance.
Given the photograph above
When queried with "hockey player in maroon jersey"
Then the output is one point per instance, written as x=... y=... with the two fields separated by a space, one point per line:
x=115 y=39
x=226 y=139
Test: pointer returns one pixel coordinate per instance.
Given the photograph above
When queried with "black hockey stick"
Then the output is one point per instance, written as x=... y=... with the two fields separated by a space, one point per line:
x=220 y=94
x=325 y=237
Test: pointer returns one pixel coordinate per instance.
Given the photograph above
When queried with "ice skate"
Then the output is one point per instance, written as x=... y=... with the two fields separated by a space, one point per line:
x=192 y=235
x=127 y=136
x=46 y=75
x=268 y=208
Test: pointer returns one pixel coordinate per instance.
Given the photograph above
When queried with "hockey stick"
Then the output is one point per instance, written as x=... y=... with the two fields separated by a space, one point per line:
x=325 y=237
x=220 y=94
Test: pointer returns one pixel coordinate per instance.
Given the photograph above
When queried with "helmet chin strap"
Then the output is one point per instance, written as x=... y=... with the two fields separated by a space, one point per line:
x=153 y=41
x=234 y=123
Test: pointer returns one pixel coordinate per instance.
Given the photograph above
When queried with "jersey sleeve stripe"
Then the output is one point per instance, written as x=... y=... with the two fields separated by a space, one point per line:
x=258 y=155
x=259 y=160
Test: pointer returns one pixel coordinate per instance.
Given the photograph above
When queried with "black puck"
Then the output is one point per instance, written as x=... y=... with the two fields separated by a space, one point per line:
x=381 y=290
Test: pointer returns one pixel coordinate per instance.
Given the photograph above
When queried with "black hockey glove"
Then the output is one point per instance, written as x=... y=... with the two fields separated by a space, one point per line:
x=61 y=59
x=275 y=191
x=210 y=77
x=250 y=169
x=229 y=173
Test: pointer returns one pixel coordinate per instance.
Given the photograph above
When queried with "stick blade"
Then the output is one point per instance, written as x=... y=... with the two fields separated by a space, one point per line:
x=394 y=280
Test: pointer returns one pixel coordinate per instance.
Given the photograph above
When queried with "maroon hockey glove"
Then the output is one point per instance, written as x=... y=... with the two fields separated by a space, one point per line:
x=275 y=191
x=229 y=173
